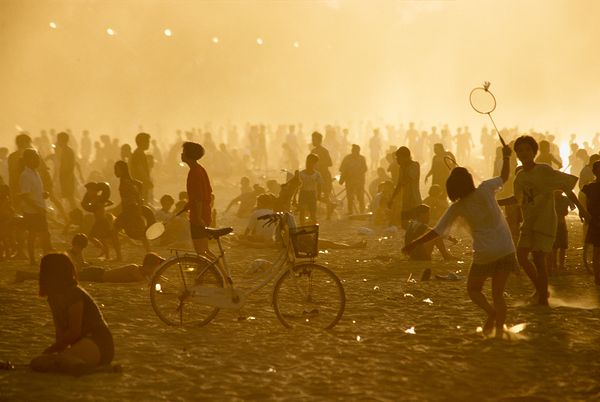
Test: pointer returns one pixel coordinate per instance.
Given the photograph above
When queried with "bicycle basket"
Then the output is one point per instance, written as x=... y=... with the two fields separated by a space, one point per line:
x=305 y=240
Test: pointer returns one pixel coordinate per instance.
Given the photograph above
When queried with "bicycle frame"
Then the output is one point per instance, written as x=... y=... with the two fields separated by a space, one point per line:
x=232 y=297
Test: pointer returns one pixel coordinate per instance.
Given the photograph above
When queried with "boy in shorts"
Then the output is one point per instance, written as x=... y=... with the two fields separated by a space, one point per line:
x=493 y=249
x=534 y=189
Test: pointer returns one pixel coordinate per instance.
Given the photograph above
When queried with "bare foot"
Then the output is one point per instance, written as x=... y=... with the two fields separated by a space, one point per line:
x=489 y=324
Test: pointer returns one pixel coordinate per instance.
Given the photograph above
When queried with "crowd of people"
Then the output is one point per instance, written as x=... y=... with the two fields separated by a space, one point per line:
x=61 y=184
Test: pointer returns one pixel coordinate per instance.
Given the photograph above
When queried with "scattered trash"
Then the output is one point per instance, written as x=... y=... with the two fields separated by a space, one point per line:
x=411 y=331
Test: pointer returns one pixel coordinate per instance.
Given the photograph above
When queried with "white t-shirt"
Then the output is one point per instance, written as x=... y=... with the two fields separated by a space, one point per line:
x=31 y=184
x=308 y=181
x=490 y=232
x=534 y=189
x=257 y=228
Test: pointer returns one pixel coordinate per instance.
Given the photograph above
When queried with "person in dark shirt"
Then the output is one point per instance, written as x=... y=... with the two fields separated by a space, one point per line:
x=140 y=168
x=83 y=340
x=592 y=200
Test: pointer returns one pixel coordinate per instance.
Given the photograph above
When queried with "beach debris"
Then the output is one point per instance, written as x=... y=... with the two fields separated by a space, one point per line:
x=408 y=295
x=358 y=338
x=271 y=370
x=364 y=279
x=428 y=301
x=250 y=318
x=411 y=331
x=452 y=276
x=353 y=321
x=460 y=262
x=375 y=287
x=479 y=330
x=515 y=329
x=366 y=231
x=410 y=279
x=323 y=251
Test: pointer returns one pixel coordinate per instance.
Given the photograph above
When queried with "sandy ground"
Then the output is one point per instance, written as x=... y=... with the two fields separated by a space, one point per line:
x=368 y=356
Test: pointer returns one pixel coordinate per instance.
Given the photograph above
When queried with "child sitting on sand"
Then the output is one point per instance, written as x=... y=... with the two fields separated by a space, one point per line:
x=83 y=340
x=437 y=201
x=417 y=227
x=493 y=249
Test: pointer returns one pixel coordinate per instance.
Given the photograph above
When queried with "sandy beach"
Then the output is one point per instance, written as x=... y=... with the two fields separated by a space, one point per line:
x=398 y=339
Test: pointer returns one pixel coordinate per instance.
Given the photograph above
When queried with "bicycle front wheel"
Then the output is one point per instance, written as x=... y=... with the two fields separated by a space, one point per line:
x=172 y=289
x=310 y=295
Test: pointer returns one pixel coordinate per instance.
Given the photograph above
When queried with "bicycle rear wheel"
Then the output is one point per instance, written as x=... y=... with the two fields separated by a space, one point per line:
x=310 y=295
x=172 y=290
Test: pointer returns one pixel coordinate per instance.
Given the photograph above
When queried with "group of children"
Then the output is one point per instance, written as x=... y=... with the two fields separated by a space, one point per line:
x=536 y=186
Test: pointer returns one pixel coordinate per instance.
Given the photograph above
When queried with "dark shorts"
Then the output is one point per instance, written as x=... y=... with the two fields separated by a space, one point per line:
x=508 y=263
x=35 y=222
x=198 y=232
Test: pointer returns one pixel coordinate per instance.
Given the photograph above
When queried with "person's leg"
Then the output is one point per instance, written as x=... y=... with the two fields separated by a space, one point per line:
x=562 y=256
x=539 y=260
x=596 y=264
x=474 y=288
x=117 y=245
x=360 y=195
x=528 y=267
x=350 y=198
x=552 y=261
x=30 y=246
x=498 y=284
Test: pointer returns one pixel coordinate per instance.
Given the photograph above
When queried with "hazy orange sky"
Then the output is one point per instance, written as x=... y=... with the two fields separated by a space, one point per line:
x=381 y=60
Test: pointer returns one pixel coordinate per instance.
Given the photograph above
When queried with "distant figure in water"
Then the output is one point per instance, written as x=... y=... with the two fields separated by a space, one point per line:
x=83 y=340
x=493 y=249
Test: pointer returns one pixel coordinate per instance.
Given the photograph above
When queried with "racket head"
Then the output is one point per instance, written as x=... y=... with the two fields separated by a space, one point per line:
x=155 y=230
x=482 y=100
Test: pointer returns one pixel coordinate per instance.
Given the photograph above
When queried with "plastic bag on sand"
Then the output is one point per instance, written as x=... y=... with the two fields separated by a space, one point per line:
x=366 y=231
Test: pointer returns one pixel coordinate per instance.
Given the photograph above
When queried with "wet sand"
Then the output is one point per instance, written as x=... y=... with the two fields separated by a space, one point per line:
x=368 y=356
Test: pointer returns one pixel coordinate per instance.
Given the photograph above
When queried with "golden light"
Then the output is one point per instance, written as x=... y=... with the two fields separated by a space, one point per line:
x=110 y=32
x=53 y=25
x=260 y=41
x=168 y=32
x=296 y=44
x=215 y=39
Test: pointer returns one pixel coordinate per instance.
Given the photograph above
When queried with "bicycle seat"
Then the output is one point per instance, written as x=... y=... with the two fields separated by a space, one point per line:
x=218 y=232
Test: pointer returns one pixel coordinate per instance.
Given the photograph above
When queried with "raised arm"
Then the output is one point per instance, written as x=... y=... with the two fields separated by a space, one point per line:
x=505 y=171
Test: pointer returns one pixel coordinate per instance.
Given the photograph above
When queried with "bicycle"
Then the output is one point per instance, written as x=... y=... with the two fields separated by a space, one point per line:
x=190 y=289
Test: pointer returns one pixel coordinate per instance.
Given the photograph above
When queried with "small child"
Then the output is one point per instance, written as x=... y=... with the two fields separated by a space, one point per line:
x=417 y=227
x=379 y=204
x=592 y=199
x=310 y=188
x=164 y=213
x=437 y=201
x=103 y=231
x=556 y=262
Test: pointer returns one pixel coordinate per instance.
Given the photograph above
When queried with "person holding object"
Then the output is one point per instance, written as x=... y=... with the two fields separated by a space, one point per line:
x=493 y=248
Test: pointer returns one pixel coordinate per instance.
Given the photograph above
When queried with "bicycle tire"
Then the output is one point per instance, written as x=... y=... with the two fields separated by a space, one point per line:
x=294 y=297
x=171 y=291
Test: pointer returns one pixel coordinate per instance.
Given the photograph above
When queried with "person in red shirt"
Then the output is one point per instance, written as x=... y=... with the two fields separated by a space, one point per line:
x=199 y=197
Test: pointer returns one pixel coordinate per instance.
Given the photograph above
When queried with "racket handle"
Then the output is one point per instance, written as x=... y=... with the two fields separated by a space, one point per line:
x=501 y=140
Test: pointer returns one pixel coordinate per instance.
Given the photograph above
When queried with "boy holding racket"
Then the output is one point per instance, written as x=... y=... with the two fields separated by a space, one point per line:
x=493 y=248
x=534 y=189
